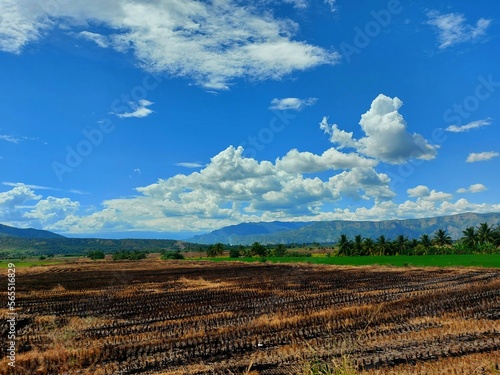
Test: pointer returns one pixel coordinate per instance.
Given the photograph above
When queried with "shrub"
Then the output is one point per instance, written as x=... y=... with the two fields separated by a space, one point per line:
x=96 y=254
x=172 y=255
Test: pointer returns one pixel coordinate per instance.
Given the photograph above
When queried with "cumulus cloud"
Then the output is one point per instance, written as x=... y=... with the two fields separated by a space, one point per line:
x=452 y=28
x=471 y=125
x=11 y=202
x=211 y=43
x=481 y=156
x=139 y=109
x=419 y=191
x=307 y=162
x=295 y=104
x=474 y=188
x=51 y=210
x=423 y=193
x=386 y=136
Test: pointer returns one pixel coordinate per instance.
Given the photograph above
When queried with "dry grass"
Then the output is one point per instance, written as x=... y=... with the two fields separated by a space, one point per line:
x=204 y=318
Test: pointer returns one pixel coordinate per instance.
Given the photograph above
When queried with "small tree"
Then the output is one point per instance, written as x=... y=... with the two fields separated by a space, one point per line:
x=172 y=255
x=96 y=254
x=234 y=253
x=280 y=250
x=259 y=249
x=215 y=250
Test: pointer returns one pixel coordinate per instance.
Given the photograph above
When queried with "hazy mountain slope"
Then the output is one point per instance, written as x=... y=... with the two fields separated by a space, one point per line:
x=329 y=231
x=7 y=231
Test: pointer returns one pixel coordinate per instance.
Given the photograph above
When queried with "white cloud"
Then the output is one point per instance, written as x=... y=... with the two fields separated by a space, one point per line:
x=22 y=21
x=139 y=109
x=419 y=191
x=101 y=40
x=423 y=193
x=452 y=28
x=39 y=187
x=386 y=136
x=481 y=156
x=471 y=125
x=291 y=103
x=212 y=43
x=11 y=201
x=299 y=4
x=51 y=210
x=307 y=162
x=9 y=138
x=189 y=165
x=331 y=3
x=474 y=188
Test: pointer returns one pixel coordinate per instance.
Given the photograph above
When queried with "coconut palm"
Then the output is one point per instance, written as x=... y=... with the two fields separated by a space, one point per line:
x=485 y=233
x=344 y=245
x=426 y=242
x=369 y=246
x=382 y=245
x=442 y=238
x=496 y=235
x=469 y=238
x=358 y=245
x=401 y=244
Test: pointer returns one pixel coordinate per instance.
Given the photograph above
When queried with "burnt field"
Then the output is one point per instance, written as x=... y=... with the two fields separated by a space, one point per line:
x=154 y=317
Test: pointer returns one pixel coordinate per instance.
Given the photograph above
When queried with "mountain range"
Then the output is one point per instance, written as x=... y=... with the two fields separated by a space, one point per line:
x=7 y=231
x=329 y=231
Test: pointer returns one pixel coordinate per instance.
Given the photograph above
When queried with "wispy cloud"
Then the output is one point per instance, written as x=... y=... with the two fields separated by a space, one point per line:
x=101 y=40
x=211 y=43
x=471 y=125
x=10 y=138
x=139 y=109
x=474 y=188
x=189 y=165
x=452 y=28
x=295 y=104
x=39 y=187
x=481 y=156
x=331 y=3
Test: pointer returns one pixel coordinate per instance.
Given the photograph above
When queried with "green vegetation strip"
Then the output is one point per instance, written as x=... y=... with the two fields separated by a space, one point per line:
x=30 y=263
x=467 y=260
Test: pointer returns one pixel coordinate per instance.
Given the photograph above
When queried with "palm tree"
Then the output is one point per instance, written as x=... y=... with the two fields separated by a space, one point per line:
x=215 y=250
x=344 y=245
x=382 y=245
x=369 y=246
x=401 y=243
x=496 y=235
x=358 y=245
x=470 y=238
x=426 y=242
x=442 y=238
x=485 y=233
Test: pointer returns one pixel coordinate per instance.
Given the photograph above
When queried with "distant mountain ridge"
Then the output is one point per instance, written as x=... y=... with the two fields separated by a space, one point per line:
x=7 y=231
x=329 y=231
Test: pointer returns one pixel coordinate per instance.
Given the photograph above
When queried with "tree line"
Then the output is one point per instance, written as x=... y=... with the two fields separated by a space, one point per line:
x=483 y=239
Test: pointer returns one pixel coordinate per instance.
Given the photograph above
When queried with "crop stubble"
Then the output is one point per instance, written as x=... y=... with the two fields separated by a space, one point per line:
x=154 y=317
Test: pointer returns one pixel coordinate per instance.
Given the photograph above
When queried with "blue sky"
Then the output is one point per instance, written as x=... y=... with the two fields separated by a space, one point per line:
x=168 y=118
